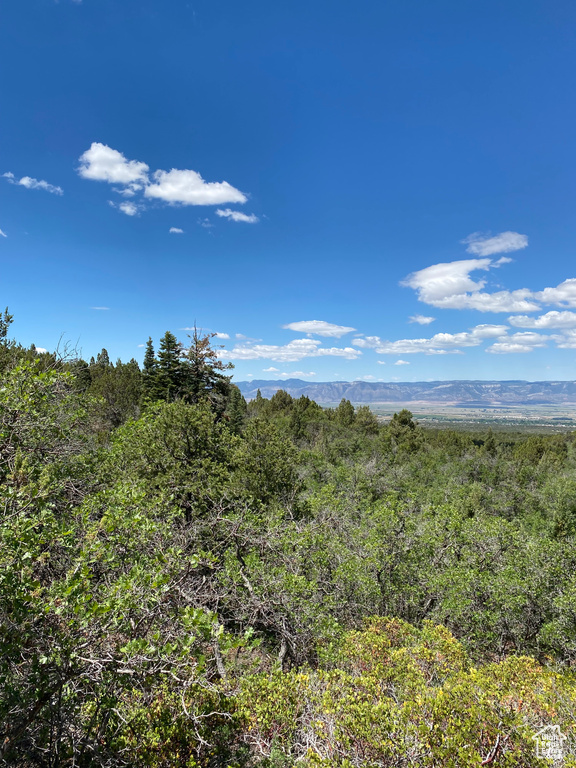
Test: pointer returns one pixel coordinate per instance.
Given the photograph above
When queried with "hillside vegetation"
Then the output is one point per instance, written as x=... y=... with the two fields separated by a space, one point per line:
x=190 y=580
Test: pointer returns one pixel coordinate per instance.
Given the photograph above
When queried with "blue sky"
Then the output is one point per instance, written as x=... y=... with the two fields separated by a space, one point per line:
x=379 y=190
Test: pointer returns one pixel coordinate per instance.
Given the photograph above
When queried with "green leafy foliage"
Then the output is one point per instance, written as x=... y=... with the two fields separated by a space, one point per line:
x=185 y=579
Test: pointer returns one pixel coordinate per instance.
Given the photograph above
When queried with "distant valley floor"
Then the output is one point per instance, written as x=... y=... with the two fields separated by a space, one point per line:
x=548 y=406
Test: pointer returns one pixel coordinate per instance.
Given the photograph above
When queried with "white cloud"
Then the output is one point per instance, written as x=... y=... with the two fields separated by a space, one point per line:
x=563 y=295
x=220 y=335
x=293 y=374
x=552 y=319
x=421 y=319
x=175 y=187
x=30 y=183
x=506 y=348
x=401 y=362
x=288 y=353
x=367 y=377
x=189 y=188
x=439 y=344
x=102 y=163
x=41 y=350
x=3 y=234
x=206 y=223
x=102 y=309
x=381 y=362
x=130 y=209
x=567 y=340
x=518 y=342
x=485 y=245
x=449 y=286
x=176 y=231
x=237 y=216
x=270 y=370
x=319 y=328
x=439 y=281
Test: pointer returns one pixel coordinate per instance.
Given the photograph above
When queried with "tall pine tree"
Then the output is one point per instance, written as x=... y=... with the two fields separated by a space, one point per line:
x=171 y=369
x=150 y=389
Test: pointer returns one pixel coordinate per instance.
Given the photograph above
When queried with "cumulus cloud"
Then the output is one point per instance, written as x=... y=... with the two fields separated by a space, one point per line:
x=271 y=370
x=176 y=231
x=287 y=353
x=102 y=163
x=449 y=286
x=40 y=350
x=31 y=183
x=563 y=295
x=421 y=319
x=518 y=342
x=439 y=344
x=227 y=213
x=175 y=187
x=220 y=335
x=552 y=319
x=401 y=362
x=319 y=328
x=189 y=188
x=567 y=340
x=486 y=245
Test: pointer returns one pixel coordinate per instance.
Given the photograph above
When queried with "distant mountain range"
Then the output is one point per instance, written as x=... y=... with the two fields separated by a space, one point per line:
x=448 y=392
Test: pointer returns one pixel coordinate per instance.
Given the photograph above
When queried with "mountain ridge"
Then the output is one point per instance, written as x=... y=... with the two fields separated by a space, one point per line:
x=465 y=392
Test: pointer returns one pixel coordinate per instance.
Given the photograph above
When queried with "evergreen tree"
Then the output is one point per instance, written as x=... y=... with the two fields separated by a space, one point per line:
x=102 y=359
x=6 y=346
x=81 y=371
x=5 y=322
x=171 y=370
x=281 y=401
x=204 y=377
x=119 y=388
x=405 y=432
x=236 y=409
x=150 y=389
x=366 y=421
x=345 y=413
